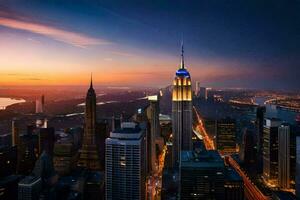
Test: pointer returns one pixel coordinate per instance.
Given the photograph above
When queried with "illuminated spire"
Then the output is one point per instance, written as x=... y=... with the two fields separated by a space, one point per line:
x=182 y=58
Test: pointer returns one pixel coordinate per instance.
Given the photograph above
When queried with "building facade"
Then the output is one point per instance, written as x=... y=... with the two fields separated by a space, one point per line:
x=259 y=122
x=125 y=163
x=270 y=151
x=29 y=188
x=197 y=88
x=297 y=167
x=226 y=135
x=181 y=112
x=284 y=157
x=203 y=93
x=153 y=117
x=202 y=175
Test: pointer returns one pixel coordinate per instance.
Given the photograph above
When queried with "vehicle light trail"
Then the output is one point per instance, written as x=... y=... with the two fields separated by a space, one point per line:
x=251 y=191
x=209 y=143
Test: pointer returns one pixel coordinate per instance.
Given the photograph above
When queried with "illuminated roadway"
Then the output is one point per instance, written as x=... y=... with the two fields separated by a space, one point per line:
x=209 y=143
x=155 y=181
x=251 y=191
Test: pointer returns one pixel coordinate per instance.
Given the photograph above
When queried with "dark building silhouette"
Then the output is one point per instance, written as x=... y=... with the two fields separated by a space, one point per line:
x=202 y=175
x=102 y=132
x=226 y=135
x=8 y=160
x=233 y=185
x=248 y=151
x=29 y=188
x=46 y=139
x=260 y=112
x=89 y=152
x=297 y=182
x=9 y=187
x=26 y=153
x=94 y=186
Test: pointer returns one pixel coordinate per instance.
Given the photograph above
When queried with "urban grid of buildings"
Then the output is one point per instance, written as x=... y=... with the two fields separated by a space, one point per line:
x=151 y=155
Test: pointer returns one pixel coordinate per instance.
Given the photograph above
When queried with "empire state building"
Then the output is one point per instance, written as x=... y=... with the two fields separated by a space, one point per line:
x=89 y=157
x=181 y=112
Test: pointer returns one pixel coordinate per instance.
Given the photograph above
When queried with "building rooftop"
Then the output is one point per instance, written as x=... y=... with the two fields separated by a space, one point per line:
x=201 y=159
x=182 y=72
x=10 y=178
x=232 y=175
x=280 y=195
x=96 y=177
x=153 y=98
x=128 y=130
x=29 y=180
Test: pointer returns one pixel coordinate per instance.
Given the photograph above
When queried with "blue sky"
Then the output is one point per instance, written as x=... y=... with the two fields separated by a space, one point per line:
x=253 y=44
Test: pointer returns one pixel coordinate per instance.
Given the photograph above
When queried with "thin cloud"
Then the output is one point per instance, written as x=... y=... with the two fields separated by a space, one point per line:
x=72 y=38
x=31 y=79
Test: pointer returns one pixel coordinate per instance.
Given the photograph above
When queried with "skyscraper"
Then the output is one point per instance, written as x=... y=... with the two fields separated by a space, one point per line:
x=203 y=93
x=29 y=188
x=298 y=167
x=197 y=88
x=287 y=156
x=89 y=157
x=226 y=135
x=283 y=156
x=8 y=160
x=270 y=151
x=153 y=116
x=15 y=132
x=39 y=104
x=247 y=150
x=181 y=112
x=46 y=139
x=260 y=112
x=125 y=163
x=202 y=175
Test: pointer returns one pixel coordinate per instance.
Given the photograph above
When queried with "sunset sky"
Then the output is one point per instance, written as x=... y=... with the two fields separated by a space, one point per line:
x=252 y=44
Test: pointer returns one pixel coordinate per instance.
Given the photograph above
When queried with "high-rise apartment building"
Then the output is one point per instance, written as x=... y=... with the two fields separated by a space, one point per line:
x=181 y=112
x=125 y=163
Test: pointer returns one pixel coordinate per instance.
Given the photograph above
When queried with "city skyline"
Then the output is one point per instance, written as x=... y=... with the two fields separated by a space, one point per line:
x=231 y=44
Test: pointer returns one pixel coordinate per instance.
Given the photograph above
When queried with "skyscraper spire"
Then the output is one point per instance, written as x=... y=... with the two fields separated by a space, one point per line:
x=91 y=84
x=182 y=58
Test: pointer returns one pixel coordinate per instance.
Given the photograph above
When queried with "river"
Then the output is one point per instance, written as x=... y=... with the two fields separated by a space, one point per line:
x=273 y=111
x=4 y=102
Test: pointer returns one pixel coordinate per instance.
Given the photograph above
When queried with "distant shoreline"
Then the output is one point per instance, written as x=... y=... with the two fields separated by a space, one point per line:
x=8 y=101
